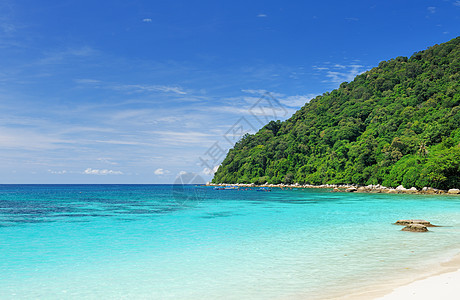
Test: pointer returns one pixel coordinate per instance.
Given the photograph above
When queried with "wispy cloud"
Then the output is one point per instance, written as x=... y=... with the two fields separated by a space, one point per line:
x=58 y=172
x=294 y=101
x=55 y=57
x=90 y=171
x=208 y=171
x=147 y=20
x=184 y=137
x=161 y=171
x=457 y=3
x=107 y=161
x=338 y=73
x=87 y=81
x=431 y=9
x=30 y=139
x=261 y=15
x=7 y=28
x=132 y=88
x=297 y=100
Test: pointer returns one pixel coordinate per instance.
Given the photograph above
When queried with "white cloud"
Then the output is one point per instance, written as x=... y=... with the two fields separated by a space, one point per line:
x=161 y=171
x=184 y=137
x=87 y=81
x=431 y=9
x=166 y=89
x=57 y=57
x=320 y=68
x=137 y=88
x=107 y=161
x=7 y=28
x=207 y=171
x=134 y=88
x=147 y=20
x=261 y=15
x=254 y=91
x=90 y=171
x=27 y=139
x=297 y=100
x=339 y=73
x=292 y=101
x=58 y=172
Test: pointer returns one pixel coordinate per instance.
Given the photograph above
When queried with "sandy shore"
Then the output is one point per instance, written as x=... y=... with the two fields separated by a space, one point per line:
x=439 y=282
x=442 y=282
x=445 y=286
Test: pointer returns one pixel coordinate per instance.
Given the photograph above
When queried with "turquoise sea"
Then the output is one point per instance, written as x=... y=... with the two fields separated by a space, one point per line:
x=191 y=242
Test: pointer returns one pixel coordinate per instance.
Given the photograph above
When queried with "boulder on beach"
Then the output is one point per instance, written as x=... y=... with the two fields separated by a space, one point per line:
x=412 y=190
x=416 y=221
x=400 y=188
x=351 y=190
x=415 y=228
x=453 y=191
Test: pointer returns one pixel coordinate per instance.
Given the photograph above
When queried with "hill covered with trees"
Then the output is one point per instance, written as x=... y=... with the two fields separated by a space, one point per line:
x=398 y=123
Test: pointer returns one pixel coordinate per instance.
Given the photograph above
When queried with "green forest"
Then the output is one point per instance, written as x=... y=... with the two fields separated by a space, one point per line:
x=396 y=124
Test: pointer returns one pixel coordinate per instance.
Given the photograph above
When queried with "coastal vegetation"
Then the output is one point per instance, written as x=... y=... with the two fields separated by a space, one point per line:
x=396 y=124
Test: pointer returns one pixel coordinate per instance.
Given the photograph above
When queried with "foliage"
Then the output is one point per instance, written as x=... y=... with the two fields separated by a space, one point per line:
x=398 y=123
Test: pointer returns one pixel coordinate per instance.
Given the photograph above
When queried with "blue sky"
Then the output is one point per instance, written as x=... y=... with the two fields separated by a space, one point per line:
x=141 y=91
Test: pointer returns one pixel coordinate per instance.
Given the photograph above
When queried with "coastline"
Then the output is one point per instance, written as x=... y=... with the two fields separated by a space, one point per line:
x=350 y=188
x=438 y=282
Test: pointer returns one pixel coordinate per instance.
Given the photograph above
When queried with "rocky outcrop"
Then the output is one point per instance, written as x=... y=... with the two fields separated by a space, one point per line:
x=377 y=188
x=415 y=221
x=415 y=228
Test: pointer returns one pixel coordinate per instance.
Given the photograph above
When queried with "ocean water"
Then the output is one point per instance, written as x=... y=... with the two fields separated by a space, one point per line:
x=190 y=242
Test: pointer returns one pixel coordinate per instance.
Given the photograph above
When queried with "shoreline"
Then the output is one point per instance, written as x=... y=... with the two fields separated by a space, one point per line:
x=370 y=189
x=439 y=282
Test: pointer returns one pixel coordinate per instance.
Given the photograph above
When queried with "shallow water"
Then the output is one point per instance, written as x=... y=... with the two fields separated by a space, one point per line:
x=169 y=242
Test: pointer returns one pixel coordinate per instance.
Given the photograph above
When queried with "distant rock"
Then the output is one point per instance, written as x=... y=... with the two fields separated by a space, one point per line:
x=415 y=228
x=351 y=190
x=411 y=222
x=401 y=188
x=392 y=191
x=428 y=190
x=453 y=191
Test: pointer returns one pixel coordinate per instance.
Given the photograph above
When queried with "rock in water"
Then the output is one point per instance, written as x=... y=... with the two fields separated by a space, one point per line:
x=409 y=222
x=351 y=190
x=454 y=191
x=415 y=228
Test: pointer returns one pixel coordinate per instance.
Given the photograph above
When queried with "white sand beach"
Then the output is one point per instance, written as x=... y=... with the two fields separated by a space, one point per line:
x=440 y=282
x=444 y=286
